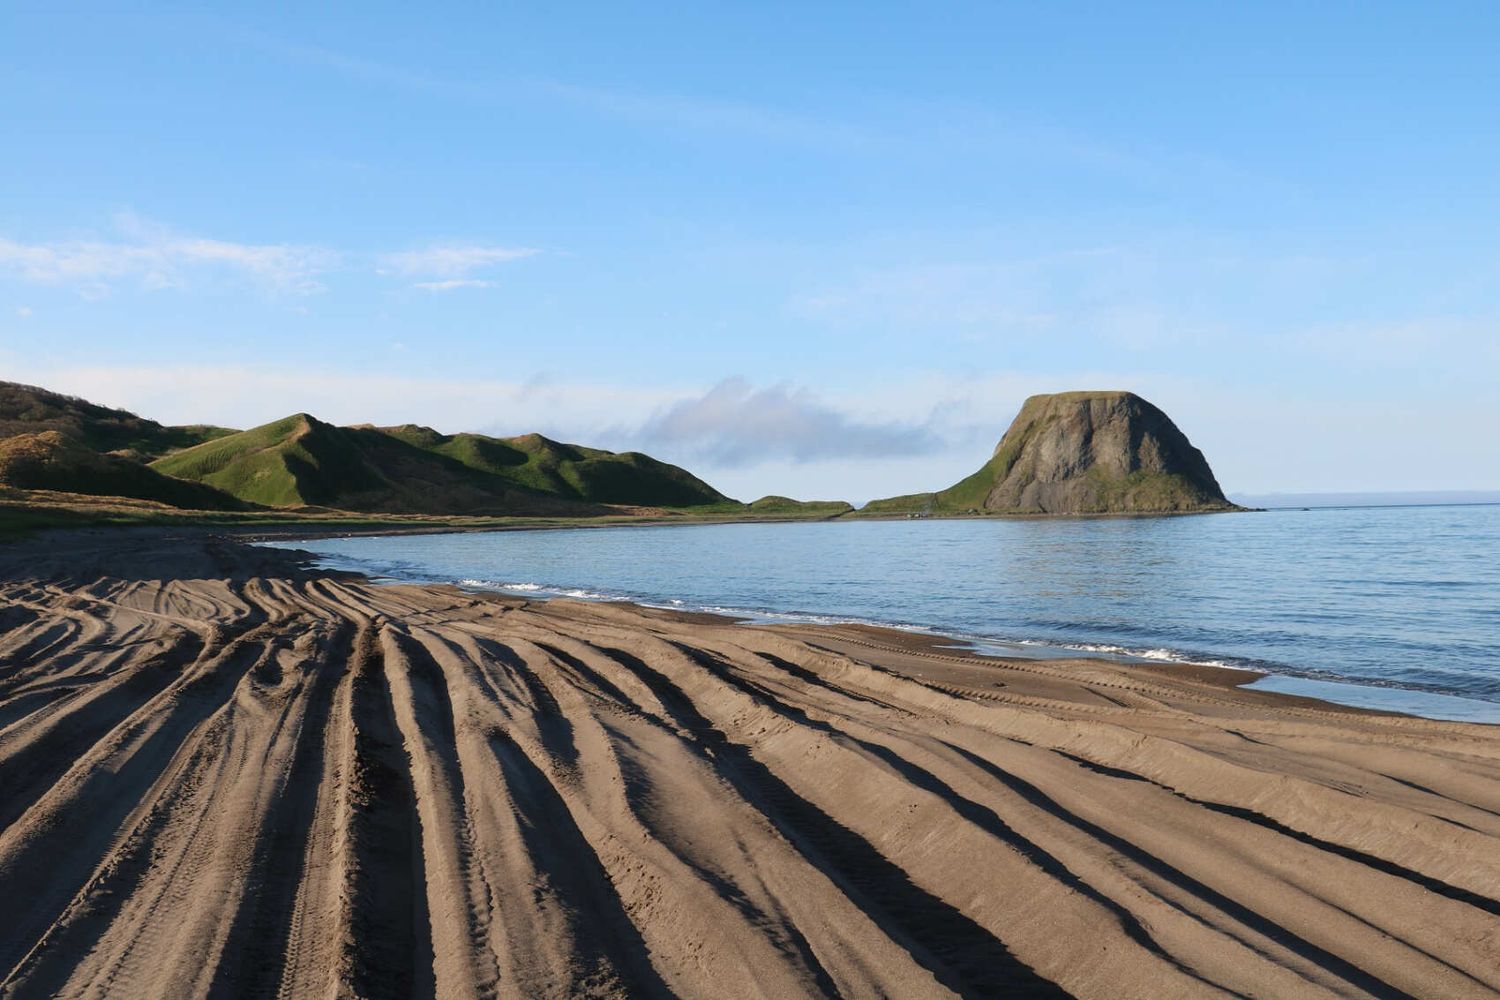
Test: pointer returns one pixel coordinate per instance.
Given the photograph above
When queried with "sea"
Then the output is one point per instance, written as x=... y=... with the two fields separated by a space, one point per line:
x=1395 y=608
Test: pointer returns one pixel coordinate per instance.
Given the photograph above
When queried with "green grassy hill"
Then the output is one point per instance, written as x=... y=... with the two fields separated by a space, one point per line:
x=26 y=409
x=776 y=505
x=302 y=461
x=301 y=466
x=52 y=460
x=533 y=462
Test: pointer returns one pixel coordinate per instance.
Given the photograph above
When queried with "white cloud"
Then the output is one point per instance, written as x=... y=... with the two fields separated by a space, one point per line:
x=153 y=257
x=450 y=284
x=735 y=424
x=450 y=263
x=23 y=311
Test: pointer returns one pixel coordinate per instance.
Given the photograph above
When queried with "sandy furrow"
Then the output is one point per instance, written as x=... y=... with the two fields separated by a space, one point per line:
x=1437 y=937
x=547 y=917
x=64 y=840
x=385 y=944
x=224 y=775
x=176 y=910
x=948 y=914
x=1041 y=819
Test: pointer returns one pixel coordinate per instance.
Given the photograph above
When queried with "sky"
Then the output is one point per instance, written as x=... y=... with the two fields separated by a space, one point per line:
x=822 y=250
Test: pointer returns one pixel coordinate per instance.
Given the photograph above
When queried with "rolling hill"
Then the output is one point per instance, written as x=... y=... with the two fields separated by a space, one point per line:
x=303 y=461
x=303 y=465
x=534 y=462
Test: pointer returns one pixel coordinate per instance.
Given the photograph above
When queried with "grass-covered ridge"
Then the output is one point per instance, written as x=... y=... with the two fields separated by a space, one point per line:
x=538 y=463
x=28 y=409
x=52 y=460
x=301 y=461
x=65 y=460
x=800 y=508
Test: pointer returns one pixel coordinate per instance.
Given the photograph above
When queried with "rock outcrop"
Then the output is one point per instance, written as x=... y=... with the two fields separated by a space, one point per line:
x=1082 y=453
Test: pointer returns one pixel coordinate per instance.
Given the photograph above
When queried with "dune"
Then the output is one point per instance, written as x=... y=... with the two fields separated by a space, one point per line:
x=224 y=773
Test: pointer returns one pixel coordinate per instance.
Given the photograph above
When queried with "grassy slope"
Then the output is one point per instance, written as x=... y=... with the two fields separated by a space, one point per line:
x=26 y=409
x=286 y=463
x=300 y=461
x=52 y=460
x=538 y=463
x=25 y=511
x=799 y=508
x=968 y=494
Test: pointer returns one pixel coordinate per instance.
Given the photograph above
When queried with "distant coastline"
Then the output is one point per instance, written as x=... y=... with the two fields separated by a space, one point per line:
x=1389 y=498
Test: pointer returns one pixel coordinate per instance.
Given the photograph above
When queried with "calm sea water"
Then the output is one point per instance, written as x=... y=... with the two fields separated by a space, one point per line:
x=1404 y=602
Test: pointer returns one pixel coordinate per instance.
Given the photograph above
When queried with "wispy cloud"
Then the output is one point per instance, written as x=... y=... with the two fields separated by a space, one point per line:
x=154 y=257
x=149 y=255
x=359 y=68
x=674 y=111
x=710 y=114
x=925 y=128
x=736 y=424
x=452 y=284
x=446 y=267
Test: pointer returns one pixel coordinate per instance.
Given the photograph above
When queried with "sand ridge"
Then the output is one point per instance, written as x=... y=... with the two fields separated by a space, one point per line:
x=223 y=774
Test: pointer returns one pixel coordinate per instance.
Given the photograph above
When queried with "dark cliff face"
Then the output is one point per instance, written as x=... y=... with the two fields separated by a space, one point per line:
x=1097 y=452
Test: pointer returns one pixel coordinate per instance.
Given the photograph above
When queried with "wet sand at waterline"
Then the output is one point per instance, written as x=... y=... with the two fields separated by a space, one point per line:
x=224 y=774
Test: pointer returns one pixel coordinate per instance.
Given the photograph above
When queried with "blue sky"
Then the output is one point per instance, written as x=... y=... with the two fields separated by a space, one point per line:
x=823 y=250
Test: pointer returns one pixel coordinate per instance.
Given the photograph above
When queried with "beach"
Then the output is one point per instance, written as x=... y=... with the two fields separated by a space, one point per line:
x=225 y=772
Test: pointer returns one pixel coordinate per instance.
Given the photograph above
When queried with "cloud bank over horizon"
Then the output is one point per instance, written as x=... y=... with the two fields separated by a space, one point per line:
x=734 y=425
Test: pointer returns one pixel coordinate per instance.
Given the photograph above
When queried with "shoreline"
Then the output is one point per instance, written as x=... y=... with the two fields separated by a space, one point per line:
x=32 y=511
x=1363 y=693
x=221 y=766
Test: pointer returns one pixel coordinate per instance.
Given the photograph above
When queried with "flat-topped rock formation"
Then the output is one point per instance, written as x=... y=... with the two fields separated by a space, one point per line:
x=1106 y=452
